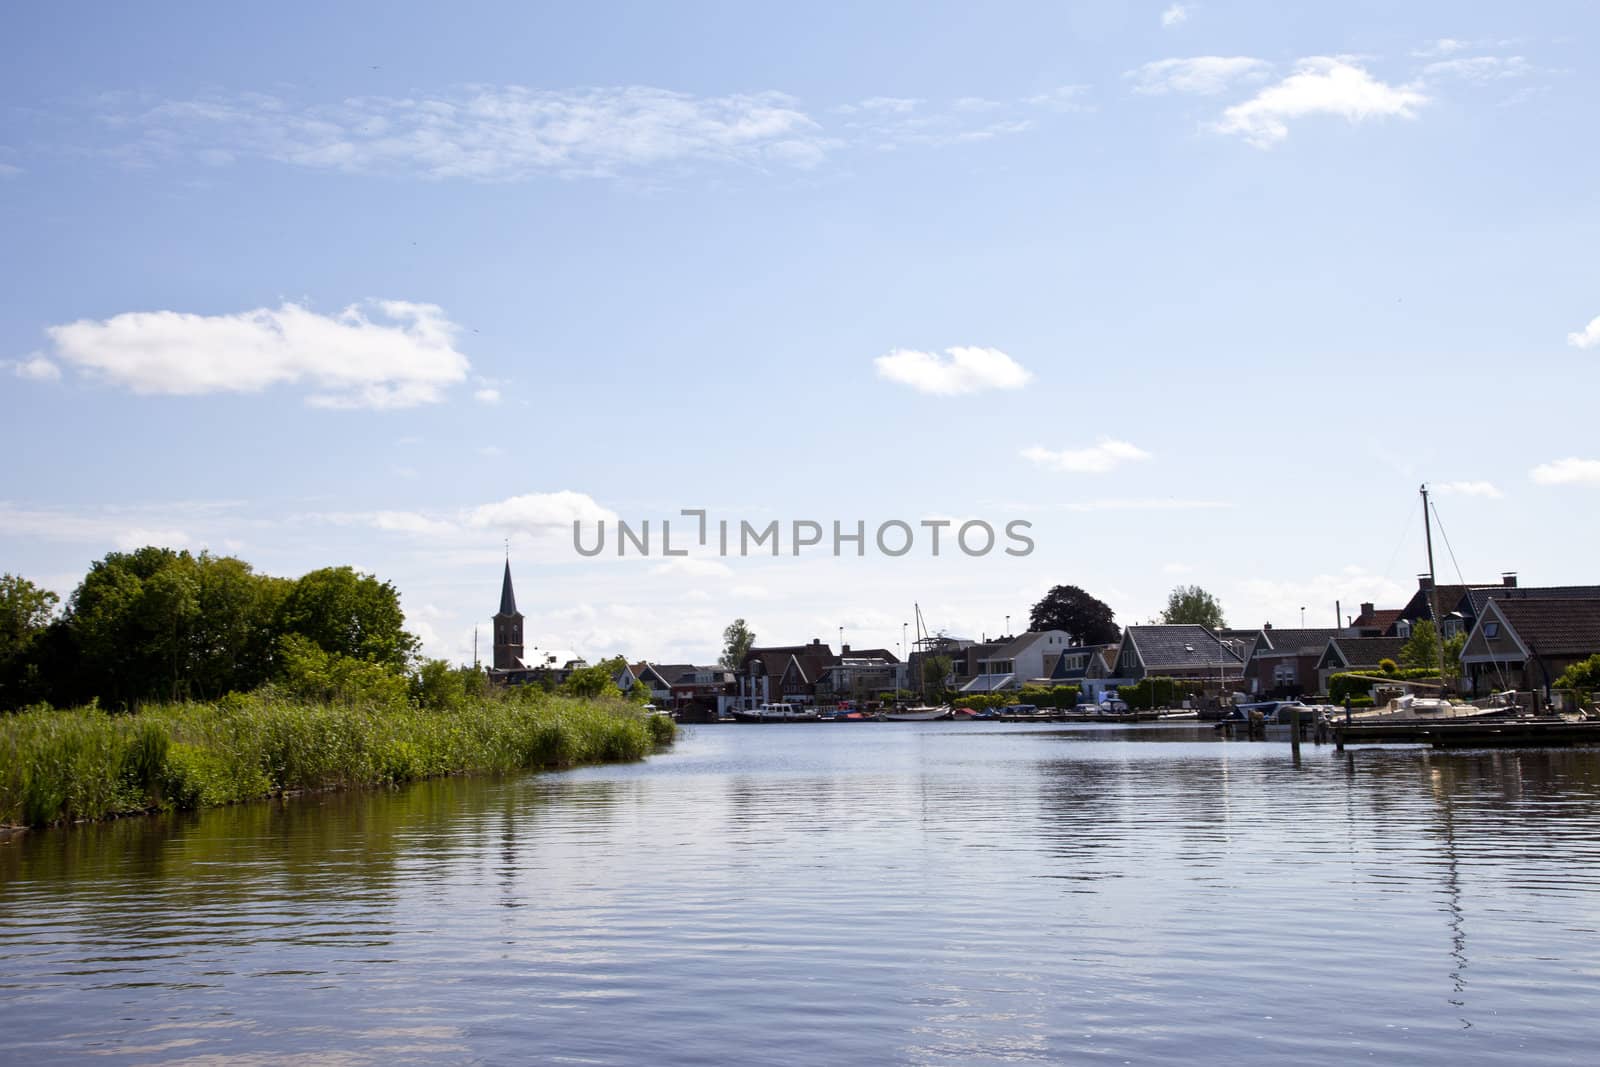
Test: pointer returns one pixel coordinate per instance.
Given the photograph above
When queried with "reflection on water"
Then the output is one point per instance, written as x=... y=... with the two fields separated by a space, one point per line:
x=929 y=893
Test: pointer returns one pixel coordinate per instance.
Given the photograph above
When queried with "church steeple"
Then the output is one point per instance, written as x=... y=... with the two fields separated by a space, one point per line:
x=507 y=628
x=508 y=599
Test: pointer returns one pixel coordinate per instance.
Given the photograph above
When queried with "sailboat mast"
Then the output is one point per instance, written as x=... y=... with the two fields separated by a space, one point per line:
x=1433 y=583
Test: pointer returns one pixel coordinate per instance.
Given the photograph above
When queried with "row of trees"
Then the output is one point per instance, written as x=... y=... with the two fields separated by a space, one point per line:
x=1091 y=621
x=159 y=624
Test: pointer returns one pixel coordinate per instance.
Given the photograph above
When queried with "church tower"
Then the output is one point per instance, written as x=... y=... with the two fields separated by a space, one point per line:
x=507 y=628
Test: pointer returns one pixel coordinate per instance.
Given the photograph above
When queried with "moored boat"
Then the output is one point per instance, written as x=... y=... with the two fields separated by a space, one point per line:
x=922 y=713
x=775 y=713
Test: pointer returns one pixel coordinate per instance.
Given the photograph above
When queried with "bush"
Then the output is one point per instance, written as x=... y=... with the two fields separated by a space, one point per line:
x=1157 y=692
x=1360 y=683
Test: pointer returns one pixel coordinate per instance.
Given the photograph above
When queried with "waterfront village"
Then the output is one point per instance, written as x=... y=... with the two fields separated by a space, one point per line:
x=1510 y=638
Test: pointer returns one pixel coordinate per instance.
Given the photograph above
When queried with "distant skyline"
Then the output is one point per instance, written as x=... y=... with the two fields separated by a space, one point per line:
x=1201 y=291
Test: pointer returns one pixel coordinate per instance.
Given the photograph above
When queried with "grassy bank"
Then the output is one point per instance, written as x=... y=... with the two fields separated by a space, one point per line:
x=62 y=766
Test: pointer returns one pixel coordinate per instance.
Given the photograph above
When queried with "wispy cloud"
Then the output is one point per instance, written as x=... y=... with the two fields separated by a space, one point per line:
x=1480 y=69
x=1588 y=337
x=1105 y=455
x=8 y=170
x=959 y=371
x=1176 y=15
x=1200 y=75
x=539 y=512
x=1481 y=489
x=486 y=133
x=887 y=123
x=35 y=369
x=1321 y=85
x=348 y=360
x=1569 y=471
x=1144 y=504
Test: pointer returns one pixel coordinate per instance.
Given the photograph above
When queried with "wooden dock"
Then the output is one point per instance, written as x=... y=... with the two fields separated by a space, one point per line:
x=1469 y=733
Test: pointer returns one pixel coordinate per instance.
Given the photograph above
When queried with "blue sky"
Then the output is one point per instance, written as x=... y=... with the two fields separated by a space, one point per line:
x=1203 y=291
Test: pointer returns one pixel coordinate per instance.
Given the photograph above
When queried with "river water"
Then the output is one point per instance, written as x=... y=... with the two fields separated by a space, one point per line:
x=859 y=894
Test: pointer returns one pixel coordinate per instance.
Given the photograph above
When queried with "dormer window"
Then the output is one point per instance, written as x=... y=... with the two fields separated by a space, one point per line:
x=1403 y=628
x=1491 y=629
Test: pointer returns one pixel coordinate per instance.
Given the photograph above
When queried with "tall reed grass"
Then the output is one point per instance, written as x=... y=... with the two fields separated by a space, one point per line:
x=84 y=763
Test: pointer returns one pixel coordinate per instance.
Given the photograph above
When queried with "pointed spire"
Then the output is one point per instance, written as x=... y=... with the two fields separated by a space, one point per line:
x=508 y=599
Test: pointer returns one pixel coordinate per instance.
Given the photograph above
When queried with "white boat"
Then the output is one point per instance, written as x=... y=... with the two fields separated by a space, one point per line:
x=776 y=713
x=922 y=713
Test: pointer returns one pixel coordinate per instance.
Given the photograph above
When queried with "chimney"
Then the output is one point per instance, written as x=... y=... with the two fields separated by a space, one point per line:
x=1424 y=582
x=1508 y=579
x=1367 y=610
x=816 y=641
x=844 y=650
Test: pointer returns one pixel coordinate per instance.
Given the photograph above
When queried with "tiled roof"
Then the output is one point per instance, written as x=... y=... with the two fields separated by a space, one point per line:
x=1382 y=619
x=1169 y=647
x=1296 y=642
x=812 y=658
x=1555 y=626
x=1369 y=651
x=1477 y=598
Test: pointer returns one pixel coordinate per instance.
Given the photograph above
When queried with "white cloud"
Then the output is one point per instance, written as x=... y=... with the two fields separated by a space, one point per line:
x=1144 y=504
x=1569 y=471
x=1061 y=98
x=348 y=359
x=1105 y=455
x=692 y=568
x=892 y=105
x=487 y=395
x=1199 y=75
x=410 y=522
x=1588 y=337
x=1480 y=68
x=540 y=512
x=1483 y=489
x=1279 y=601
x=962 y=370
x=39 y=369
x=1175 y=15
x=490 y=133
x=1319 y=86
x=1177 y=568
x=1444 y=46
x=8 y=170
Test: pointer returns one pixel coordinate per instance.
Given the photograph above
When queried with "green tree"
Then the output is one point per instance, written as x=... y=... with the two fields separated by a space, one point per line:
x=1194 y=606
x=594 y=682
x=1421 y=651
x=935 y=669
x=25 y=644
x=1087 y=620
x=1583 y=676
x=25 y=610
x=737 y=640
x=349 y=614
x=310 y=673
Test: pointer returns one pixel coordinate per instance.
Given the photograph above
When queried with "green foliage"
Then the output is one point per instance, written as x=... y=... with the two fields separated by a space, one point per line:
x=1387 y=665
x=349 y=614
x=1359 y=683
x=1583 y=676
x=737 y=640
x=1064 y=697
x=935 y=669
x=1087 y=620
x=596 y=682
x=309 y=673
x=25 y=610
x=1192 y=605
x=1157 y=692
x=1422 y=649
x=440 y=687
x=60 y=766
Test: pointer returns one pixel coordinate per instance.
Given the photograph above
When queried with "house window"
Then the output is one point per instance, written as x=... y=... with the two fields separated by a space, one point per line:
x=1403 y=628
x=1283 y=674
x=1491 y=629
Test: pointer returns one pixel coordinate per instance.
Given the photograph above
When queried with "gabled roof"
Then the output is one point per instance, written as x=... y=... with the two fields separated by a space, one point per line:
x=1555 y=626
x=774 y=660
x=1294 y=643
x=1362 y=651
x=1380 y=619
x=1018 y=645
x=1094 y=656
x=1177 y=647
